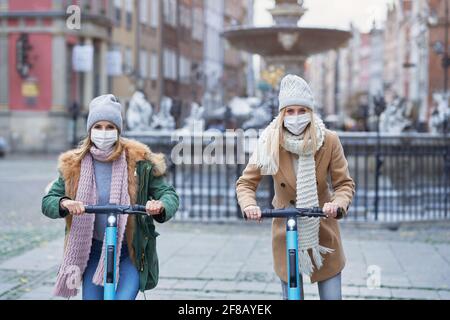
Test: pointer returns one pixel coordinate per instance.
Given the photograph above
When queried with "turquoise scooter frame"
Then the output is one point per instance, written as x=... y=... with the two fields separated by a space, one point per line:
x=109 y=280
x=295 y=284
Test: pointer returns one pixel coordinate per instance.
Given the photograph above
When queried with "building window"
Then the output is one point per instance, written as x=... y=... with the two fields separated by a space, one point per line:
x=118 y=12
x=170 y=12
x=143 y=11
x=128 y=61
x=170 y=64
x=154 y=67
x=154 y=14
x=143 y=57
x=185 y=17
x=129 y=13
x=197 y=24
x=185 y=70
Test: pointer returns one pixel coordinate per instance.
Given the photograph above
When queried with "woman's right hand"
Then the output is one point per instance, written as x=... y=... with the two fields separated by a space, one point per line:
x=75 y=208
x=253 y=213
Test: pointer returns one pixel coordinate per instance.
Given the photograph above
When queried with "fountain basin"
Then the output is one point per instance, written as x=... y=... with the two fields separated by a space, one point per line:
x=304 y=42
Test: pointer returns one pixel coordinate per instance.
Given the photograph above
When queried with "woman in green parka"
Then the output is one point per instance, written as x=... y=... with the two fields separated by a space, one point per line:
x=109 y=169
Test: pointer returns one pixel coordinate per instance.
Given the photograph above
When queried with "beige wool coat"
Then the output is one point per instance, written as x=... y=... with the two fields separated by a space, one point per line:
x=331 y=166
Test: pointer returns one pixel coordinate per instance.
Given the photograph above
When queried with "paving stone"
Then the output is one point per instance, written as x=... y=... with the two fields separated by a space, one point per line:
x=220 y=286
x=383 y=293
x=250 y=286
x=444 y=295
x=6 y=287
x=415 y=294
x=350 y=291
x=190 y=284
x=166 y=283
x=273 y=288
x=41 y=258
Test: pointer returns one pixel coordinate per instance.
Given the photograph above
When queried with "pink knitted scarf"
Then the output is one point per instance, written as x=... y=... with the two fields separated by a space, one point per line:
x=78 y=247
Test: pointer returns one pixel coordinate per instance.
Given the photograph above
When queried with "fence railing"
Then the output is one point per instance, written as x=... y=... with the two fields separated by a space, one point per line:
x=397 y=177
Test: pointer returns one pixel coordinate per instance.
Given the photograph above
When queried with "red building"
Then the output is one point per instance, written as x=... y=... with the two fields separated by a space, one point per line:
x=38 y=84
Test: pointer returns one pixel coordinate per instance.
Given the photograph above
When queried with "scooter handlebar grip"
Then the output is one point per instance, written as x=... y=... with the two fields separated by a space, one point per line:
x=245 y=215
x=139 y=207
x=340 y=213
x=89 y=209
x=266 y=213
x=65 y=211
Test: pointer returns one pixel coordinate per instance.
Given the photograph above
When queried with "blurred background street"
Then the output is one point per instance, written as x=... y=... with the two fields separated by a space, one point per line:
x=207 y=72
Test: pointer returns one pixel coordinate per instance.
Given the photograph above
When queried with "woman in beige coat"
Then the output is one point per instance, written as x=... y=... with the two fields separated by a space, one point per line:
x=302 y=156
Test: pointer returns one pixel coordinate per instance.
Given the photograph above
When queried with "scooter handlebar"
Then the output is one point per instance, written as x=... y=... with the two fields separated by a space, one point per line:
x=314 y=212
x=107 y=209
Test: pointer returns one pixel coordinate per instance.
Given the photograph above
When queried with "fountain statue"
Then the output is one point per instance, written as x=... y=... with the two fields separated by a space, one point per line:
x=139 y=112
x=440 y=117
x=163 y=120
x=396 y=118
x=261 y=116
x=240 y=107
x=285 y=44
x=195 y=122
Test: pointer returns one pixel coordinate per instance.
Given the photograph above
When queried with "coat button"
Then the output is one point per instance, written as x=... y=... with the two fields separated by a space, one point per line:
x=283 y=185
x=292 y=202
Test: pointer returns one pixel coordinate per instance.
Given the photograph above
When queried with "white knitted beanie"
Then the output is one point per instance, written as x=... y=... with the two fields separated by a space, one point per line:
x=295 y=91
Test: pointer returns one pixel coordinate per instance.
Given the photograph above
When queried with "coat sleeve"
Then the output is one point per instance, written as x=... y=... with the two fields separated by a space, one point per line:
x=246 y=186
x=158 y=189
x=343 y=184
x=50 y=202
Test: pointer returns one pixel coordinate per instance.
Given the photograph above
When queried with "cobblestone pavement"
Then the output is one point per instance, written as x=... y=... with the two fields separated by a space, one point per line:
x=213 y=261
x=233 y=261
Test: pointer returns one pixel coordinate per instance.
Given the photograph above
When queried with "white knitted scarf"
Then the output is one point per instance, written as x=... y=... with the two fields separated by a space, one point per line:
x=308 y=228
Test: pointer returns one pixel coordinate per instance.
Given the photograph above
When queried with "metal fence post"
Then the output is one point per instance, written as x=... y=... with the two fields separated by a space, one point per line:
x=446 y=177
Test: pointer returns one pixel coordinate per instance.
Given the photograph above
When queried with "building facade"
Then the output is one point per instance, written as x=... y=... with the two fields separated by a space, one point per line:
x=57 y=55
x=401 y=58
x=235 y=61
x=36 y=46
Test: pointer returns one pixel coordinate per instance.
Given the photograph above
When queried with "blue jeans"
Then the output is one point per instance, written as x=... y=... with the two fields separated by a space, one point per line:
x=329 y=289
x=128 y=286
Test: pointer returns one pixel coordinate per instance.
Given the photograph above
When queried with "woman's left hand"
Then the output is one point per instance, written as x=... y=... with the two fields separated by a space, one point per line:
x=154 y=207
x=330 y=209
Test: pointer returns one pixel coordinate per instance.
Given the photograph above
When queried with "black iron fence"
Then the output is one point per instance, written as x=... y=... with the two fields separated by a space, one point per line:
x=398 y=178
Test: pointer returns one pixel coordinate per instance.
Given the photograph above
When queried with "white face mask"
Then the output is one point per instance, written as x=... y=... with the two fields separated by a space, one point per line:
x=297 y=124
x=104 y=139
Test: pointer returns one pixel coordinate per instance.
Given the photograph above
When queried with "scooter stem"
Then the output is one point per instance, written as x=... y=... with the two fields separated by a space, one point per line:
x=109 y=291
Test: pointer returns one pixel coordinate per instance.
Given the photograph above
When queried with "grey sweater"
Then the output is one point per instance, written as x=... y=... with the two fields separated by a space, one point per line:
x=103 y=173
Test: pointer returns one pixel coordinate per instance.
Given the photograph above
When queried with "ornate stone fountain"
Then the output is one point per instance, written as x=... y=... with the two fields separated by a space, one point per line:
x=285 y=43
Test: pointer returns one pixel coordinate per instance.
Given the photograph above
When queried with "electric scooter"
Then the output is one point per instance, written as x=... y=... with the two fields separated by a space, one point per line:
x=295 y=284
x=109 y=280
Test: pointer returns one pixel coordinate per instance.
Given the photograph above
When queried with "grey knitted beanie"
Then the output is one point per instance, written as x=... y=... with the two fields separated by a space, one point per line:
x=105 y=108
x=295 y=91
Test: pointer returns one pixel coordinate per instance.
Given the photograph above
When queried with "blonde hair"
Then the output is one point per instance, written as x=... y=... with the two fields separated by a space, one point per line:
x=86 y=144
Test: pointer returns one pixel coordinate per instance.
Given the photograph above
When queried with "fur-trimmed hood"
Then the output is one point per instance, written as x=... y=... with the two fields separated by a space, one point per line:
x=69 y=165
x=135 y=151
